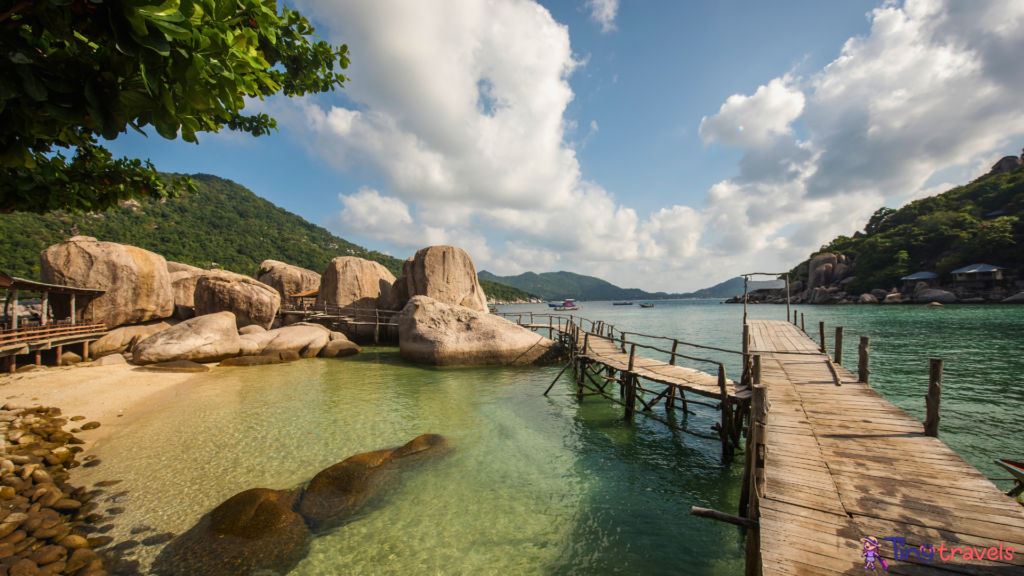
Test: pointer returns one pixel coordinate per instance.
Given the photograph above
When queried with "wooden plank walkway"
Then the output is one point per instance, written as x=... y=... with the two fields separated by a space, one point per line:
x=606 y=351
x=843 y=464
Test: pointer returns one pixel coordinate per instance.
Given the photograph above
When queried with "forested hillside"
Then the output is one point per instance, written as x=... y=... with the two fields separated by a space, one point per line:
x=224 y=223
x=505 y=292
x=976 y=223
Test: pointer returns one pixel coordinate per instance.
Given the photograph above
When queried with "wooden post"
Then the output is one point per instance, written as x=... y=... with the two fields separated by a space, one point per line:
x=726 y=412
x=586 y=338
x=795 y=323
x=744 y=300
x=802 y=325
x=622 y=341
x=72 y=308
x=60 y=351
x=746 y=338
x=531 y=317
x=14 y=312
x=757 y=369
x=759 y=407
x=670 y=401
x=39 y=360
x=675 y=344
x=787 y=297
x=629 y=383
x=632 y=356
x=46 y=307
x=85 y=350
x=838 y=345
x=934 y=398
x=551 y=329
x=376 y=327
x=863 y=360
x=12 y=363
x=821 y=334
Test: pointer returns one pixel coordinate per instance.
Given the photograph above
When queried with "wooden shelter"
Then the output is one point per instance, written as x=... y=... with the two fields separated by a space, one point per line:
x=302 y=300
x=929 y=278
x=978 y=276
x=19 y=336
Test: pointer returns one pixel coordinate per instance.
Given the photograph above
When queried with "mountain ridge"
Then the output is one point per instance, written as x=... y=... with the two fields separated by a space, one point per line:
x=566 y=285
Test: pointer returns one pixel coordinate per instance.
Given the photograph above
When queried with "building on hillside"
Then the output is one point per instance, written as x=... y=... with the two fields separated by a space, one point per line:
x=929 y=278
x=978 y=276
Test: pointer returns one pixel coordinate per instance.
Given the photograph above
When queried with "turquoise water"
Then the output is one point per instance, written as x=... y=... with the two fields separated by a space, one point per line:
x=535 y=485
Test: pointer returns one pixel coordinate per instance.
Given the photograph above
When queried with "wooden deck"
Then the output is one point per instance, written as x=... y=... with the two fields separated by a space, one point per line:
x=843 y=464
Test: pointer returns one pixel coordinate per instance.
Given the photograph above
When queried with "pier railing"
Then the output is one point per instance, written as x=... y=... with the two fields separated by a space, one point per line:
x=35 y=331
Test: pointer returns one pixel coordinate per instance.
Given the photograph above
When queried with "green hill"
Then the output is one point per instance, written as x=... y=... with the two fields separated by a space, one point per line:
x=504 y=292
x=940 y=234
x=564 y=285
x=224 y=223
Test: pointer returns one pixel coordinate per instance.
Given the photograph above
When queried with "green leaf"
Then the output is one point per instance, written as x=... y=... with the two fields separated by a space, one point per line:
x=225 y=9
x=33 y=87
x=155 y=41
x=164 y=8
x=65 y=114
x=137 y=20
x=172 y=30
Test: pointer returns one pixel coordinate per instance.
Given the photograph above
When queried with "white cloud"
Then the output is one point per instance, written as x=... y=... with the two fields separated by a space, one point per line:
x=603 y=12
x=460 y=108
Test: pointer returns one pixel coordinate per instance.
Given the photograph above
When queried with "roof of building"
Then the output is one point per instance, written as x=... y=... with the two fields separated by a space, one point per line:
x=306 y=294
x=995 y=213
x=15 y=283
x=921 y=276
x=977 y=268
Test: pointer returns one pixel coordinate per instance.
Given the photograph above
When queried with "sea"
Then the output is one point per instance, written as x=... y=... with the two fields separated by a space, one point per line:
x=534 y=484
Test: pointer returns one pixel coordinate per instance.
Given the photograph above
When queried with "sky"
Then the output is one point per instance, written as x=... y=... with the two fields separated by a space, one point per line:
x=665 y=146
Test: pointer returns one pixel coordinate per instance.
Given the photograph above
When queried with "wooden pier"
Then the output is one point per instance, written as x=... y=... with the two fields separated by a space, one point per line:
x=840 y=463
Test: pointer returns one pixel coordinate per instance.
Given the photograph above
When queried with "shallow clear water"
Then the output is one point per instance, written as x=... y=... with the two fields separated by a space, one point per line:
x=535 y=485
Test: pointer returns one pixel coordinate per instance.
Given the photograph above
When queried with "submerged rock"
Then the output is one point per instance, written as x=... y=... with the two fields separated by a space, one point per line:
x=251 y=361
x=253 y=530
x=440 y=335
x=339 y=491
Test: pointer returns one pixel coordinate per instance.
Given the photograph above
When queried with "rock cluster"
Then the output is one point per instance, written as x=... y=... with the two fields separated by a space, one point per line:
x=351 y=282
x=45 y=521
x=438 y=334
x=263 y=531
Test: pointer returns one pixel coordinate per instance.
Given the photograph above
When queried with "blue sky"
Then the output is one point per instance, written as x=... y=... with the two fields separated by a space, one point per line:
x=604 y=137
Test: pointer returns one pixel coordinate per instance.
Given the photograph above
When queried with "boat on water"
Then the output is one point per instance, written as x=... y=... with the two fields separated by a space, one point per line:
x=563 y=309
x=1017 y=469
x=647 y=305
x=494 y=309
x=622 y=303
x=563 y=304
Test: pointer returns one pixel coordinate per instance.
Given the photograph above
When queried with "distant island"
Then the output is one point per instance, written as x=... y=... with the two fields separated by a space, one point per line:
x=562 y=285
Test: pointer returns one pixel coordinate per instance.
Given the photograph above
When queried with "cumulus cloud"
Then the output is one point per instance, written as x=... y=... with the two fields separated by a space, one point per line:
x=467 y=132
x=603 y=12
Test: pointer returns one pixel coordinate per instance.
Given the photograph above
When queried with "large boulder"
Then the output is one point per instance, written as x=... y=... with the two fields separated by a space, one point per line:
x=304 y=339
x=339 y=491
x=795 y=287
x=820 y=270
x=183 y=282
x=208 y=338
x=339 y=349
x=821 y=295
x=138 y=287
x=288 y=279
x=894 y=298
x=351 y=282
x=253 y=532
x=250 y=301
x=1005 y=164
x=867 y=298
x=121 y=339
x=929 y=295
x=879 y=294
x=434 y=333
x=444 y=273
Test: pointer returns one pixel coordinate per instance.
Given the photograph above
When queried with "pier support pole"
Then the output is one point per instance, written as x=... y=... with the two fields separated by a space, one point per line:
x=863 y=360
x=821 y=335
x=744 y=300
x=14 y=312
x=787 y=297
x=73 y=309
x=934 y=398
x=839 y=345
x=802 y=325
x=759 y=407
x=39 y=360
x=629 y=386
x=795 y=323
x=757 y=369
x=46 y=308
x=85 y=350
x=675 y=344
x=725 y=429
x=60 y=351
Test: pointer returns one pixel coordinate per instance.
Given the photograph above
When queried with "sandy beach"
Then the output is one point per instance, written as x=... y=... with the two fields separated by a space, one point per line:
x=103 y=393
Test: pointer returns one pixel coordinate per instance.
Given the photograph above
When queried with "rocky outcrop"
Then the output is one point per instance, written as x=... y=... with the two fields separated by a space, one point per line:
x=304 y=339
x=255 y=531
x=173 y=267
x=438 y=334
x=893 y=299
x=929 y=295
x=867 y=298
x=122 y=339
x=820 y=295
x=208 y=338
x=1005 y=164
x=288 y=279
x=820 y=270
x=250 y=302
x=138 y=287
x=445 y=274
x=339 y=349
x=356 y=283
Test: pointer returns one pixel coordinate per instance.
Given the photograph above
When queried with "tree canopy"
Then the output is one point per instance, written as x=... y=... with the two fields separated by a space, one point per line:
x=74 y=71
